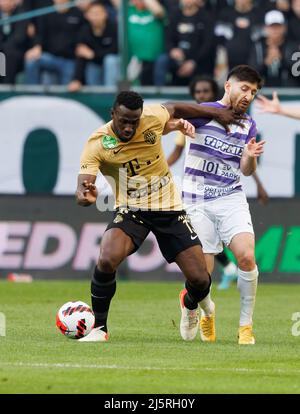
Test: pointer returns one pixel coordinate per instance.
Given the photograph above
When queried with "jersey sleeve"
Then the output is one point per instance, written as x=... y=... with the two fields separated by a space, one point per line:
x=180 y=139
x=252 y=131
x=90 y=160
x=161 y=113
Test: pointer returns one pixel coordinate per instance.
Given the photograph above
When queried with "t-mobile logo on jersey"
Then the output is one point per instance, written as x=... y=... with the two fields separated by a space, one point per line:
x=296 y=66
x=2 y=324
x=2 y=64
x=296 y=326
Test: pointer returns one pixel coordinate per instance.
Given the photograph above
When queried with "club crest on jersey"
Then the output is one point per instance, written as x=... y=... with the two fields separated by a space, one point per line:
x=150 y=137
x=118 y=219
x=109 y=142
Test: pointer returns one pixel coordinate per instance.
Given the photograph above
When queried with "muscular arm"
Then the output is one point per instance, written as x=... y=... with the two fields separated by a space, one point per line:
x=86 y=193
x=224 y=116
x=249 y=158
x=248 y=164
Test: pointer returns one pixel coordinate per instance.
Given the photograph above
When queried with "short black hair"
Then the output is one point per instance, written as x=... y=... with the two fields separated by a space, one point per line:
x=97 y=3
x=246 y=73
x=204 y=78
x=129 y=99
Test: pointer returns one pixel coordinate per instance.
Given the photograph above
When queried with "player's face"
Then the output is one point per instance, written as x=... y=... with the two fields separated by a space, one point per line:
x=241 y=94
x=125 y=122
x=203 y=92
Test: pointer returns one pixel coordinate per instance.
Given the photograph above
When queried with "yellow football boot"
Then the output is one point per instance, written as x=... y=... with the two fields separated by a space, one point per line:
x=246 y=336
x=208 y=328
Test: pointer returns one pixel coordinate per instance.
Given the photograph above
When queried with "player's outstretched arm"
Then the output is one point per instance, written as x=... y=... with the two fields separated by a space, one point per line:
x=249 y=158
x=86 y=193
x=274 y=106
x=225 y=116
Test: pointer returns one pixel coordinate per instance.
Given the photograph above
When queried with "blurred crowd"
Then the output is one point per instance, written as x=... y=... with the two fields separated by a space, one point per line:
x=170 y=41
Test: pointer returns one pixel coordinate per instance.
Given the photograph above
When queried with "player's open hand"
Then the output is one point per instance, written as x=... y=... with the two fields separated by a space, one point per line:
x=185 y=127
x=267 y=105
x=88 y=193
x=255 y=149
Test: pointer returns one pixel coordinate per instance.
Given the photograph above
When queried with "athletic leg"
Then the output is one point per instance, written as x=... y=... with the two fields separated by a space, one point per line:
x=242 y=246
x=197 y=291
x=236 y=230
x=204 y=226
x=115 y=246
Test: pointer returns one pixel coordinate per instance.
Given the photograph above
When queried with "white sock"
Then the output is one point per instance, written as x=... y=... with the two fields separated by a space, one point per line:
x=230 y=269
x=247 y=284
x=207 y=305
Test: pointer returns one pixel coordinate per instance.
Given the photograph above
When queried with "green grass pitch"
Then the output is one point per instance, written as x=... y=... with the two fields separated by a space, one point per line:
x=145 y=353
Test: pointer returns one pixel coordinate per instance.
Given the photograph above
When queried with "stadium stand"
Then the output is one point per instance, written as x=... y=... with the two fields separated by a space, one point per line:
x=43 y=49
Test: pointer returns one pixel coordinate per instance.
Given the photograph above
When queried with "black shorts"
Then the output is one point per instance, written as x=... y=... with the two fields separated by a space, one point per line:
x=173 y=229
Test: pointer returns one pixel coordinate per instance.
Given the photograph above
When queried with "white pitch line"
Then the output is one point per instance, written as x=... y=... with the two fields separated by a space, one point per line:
x=147 y=368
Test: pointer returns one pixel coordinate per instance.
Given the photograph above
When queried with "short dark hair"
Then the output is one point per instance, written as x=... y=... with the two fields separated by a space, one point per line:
x=246 y=73
x=129 y=99
x=203 y=78
x=97 y=3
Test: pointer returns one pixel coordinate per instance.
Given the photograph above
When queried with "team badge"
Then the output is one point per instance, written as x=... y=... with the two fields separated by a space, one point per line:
x=150 y=137
x=118 y=218
x=109 y=142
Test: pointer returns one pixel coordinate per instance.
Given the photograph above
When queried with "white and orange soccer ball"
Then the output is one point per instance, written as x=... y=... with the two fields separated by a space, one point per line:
x=75 y=319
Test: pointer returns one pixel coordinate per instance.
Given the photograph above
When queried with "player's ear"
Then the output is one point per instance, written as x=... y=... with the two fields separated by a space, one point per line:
x=112 y=112
x=227 y=86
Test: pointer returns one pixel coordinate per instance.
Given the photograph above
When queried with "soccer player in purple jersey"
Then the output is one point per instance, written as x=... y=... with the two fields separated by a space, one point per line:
x=205 y=89
x=215 y=201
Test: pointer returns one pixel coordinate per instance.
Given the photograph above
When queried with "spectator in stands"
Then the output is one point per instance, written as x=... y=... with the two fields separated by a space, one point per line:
x=13 y=41
x=53 y=55
x=111 y=6
x=97 y=62
x=236 y=29
x=272 y=55
x=189 y=44
x=145 y=38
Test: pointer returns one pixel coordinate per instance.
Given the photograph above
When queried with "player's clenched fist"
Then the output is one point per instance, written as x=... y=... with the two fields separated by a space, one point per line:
x=87 y=194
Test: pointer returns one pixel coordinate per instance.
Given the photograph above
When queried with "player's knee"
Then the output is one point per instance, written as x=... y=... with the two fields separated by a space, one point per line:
x=246 y=260
x=200 y=281
x=107 y=263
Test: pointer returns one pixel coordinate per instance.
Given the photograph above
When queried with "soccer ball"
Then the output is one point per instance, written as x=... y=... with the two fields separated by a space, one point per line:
x=75 y=319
